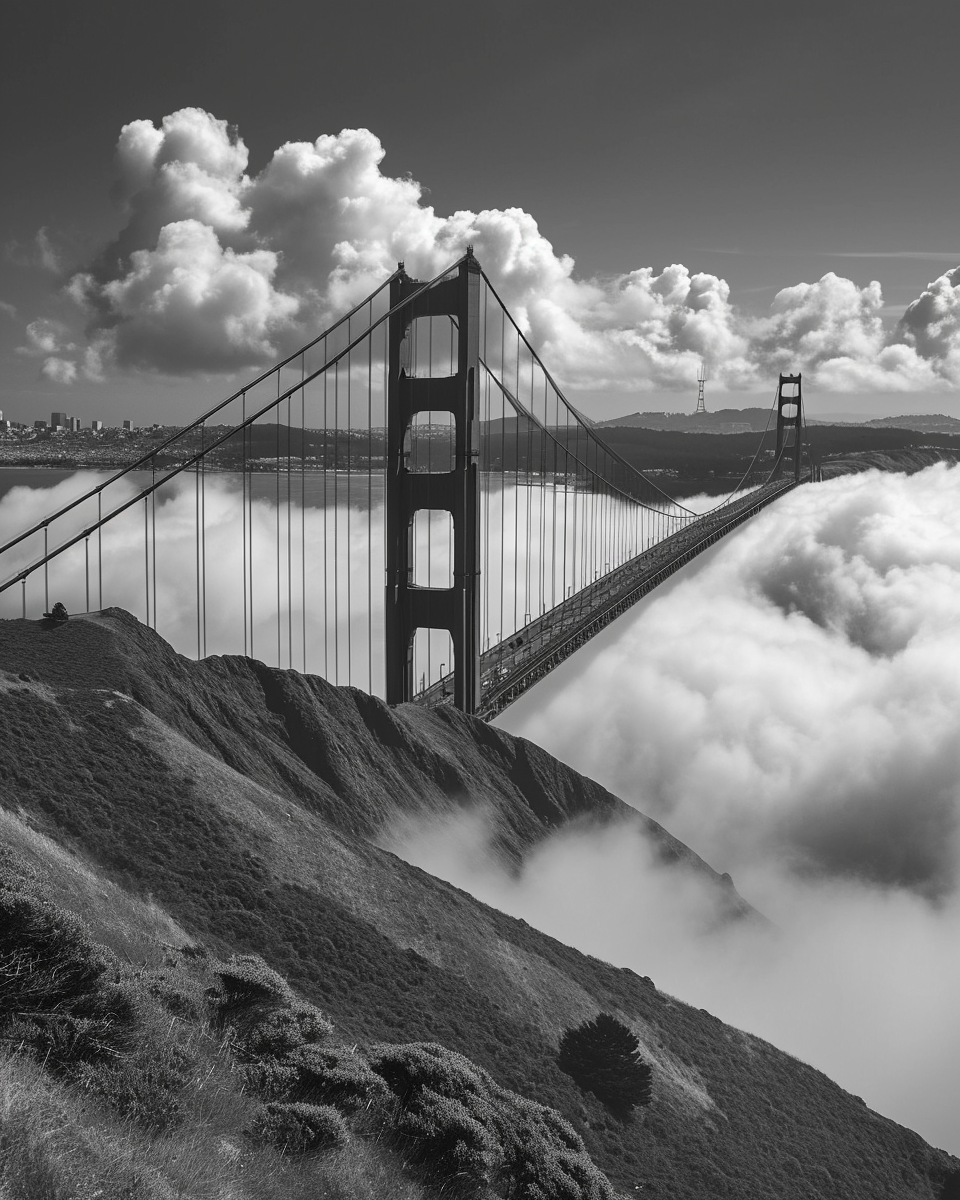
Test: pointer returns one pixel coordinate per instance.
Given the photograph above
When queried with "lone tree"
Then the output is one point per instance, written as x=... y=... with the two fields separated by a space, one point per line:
x=603 y=1057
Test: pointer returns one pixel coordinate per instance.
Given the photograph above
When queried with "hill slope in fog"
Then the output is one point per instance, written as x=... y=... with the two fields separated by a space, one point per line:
x=244 y=800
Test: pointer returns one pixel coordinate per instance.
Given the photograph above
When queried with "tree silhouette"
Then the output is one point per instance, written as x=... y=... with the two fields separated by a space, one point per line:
x=603 y=1057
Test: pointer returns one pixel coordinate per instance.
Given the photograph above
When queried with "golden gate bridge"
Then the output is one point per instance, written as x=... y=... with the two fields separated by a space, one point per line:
x=407 y=504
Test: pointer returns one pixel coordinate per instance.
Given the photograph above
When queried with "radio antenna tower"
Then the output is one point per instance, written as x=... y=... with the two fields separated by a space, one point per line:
x=701 y=380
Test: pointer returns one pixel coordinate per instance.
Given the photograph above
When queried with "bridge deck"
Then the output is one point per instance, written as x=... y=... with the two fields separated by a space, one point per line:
x=513 y=666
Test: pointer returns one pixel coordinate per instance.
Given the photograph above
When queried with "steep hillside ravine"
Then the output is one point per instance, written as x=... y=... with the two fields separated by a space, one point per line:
x=242 y=801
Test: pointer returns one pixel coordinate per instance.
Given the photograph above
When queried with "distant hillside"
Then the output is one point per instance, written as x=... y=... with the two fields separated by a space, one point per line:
x=239 y=801
x=725 y=420
x=923 y=423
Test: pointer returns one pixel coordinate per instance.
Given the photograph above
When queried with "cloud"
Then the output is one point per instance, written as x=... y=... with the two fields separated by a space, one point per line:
x=50 y=340
x=251 y=266
x=60 y=370
x=45 y=336
x=788 y=708
x=844 y=969
x=41 y=253
x=815 y=697
x=189 y=304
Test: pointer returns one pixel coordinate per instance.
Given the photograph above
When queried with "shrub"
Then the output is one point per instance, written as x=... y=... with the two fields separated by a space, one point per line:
x=407 y=1069
x=282 y=1030
x=603 y=1056
x=302 y=1128
x=272 y=1080
x=47 y=962
x=336 y=1075
x=259 y=1006
x=247 y=983
x=180 y=993
x=56 y=994
x=444 y=1135
x=459 y=1123
x=547 y=1160
x=145 y=1086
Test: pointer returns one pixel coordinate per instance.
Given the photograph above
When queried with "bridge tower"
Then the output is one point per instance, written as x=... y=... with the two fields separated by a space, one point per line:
x=409 y=606
x=701 y=380
x=789 y=396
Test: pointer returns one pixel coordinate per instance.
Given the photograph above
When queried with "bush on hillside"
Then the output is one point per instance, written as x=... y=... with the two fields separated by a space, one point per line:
x=60 y=995
x=455 y=1139
x=301 y=1128
x=603 y=1057
x=264 y=1016
x=82 y=1015
x=147 y=1085
x=180 y=992
x=336 y=1075
x=247 y=984
x=456 y=1120
x=47 y=962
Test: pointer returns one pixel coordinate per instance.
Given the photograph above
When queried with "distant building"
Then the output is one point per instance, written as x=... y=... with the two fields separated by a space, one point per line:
x=58 y=419
x=73 y=424
x=128 y=425
x=96 y=426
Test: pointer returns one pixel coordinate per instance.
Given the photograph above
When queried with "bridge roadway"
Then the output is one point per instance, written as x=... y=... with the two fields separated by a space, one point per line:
x=513 y=666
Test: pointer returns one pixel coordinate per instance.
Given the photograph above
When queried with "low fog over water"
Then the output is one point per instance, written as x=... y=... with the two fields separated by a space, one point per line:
x=790 y=708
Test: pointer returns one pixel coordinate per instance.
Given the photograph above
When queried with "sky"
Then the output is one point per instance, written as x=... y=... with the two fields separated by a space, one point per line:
x=759 y=187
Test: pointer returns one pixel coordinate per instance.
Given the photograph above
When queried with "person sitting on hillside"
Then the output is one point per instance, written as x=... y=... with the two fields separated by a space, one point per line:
x=58 y=612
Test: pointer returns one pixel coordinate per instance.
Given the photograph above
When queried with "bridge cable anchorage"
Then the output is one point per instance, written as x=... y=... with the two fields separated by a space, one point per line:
x=518 y=533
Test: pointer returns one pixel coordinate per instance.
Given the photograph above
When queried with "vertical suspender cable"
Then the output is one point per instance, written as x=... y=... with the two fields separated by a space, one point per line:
x=303 y=510
x=146 y=555
x=289 y=544
x=203 y=533
x=336 y=522
x=349 y=563
x=369 y=555
x=153 y=521
x=276 y=475
x=196 y=531
x=243 y=507
x=326 y=526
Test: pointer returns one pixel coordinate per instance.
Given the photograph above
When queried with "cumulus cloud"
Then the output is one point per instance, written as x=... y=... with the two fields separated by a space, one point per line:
x=931 y=324
x=280 y=253
x=45 y=336
x=189 y=304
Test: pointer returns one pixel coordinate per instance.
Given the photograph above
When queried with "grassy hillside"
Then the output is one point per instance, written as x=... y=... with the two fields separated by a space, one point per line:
x=234 y=803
